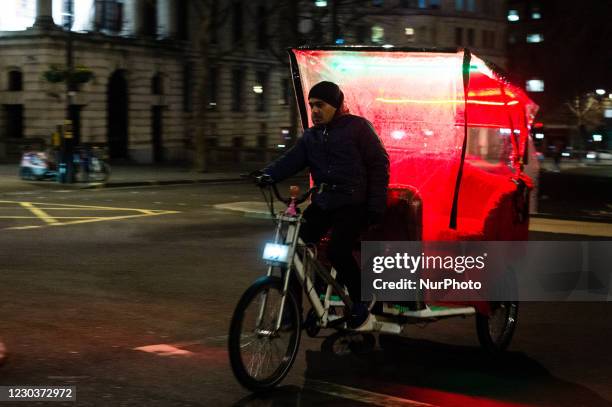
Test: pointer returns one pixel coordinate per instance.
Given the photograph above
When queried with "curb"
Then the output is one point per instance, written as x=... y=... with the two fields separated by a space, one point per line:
x=165 y=182
x=125 y=184
x=570 y=218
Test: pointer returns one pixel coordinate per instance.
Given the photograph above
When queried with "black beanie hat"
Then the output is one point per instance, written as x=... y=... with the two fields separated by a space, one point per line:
x=328 y=92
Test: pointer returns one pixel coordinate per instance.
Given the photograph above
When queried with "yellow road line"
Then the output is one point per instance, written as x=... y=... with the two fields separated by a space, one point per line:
x=83 y=207
x=39 y=213
x=112 y=218
x=24 y=227
x=39 y=209
x=86 y=208
x=91 y=220
x=55 y=217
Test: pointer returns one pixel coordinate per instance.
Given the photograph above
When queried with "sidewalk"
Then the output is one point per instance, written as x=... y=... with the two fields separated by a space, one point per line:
x=121 y=176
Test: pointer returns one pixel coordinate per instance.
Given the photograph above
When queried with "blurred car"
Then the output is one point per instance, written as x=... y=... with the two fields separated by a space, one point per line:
x=604 y=155
x=598 y=155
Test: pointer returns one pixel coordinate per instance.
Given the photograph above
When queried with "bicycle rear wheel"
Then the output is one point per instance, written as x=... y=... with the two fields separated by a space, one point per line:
x=261 y=355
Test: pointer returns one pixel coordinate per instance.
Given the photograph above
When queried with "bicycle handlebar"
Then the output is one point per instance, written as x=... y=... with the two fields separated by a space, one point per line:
x=272 y=185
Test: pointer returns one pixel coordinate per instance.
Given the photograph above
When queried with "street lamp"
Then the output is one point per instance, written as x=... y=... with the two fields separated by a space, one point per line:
x=600 y=92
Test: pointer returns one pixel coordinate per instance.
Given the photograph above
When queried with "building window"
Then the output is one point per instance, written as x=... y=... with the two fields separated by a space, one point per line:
x=410 y=34
x=471 y=5
x=261 y=90
x=157 y=84
x=361 y=34
x=183 y=21
x=211 y=88
x=513 y=16
x=109 y=15
x=262 y=28
x=459 y=5
x=15 y=81
x=238 y=142
x=409 y=3
x=470 y=37
x=535 y=38
x=535 y=12
x=378 y=3
x=458 y=36
x=237 y=85
x=13 y=127
x=18 y=16
x=435 y=4
x=187 y=85
x=535 y=85
x=150 y=18
x=378 y=34
x=237 y=21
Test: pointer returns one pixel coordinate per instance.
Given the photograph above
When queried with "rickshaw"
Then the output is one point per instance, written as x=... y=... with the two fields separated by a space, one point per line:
x=457 y=134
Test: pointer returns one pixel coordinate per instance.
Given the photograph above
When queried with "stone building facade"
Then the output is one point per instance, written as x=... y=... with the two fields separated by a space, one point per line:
x=143 y=101
x=133 y=103
x=164 y=86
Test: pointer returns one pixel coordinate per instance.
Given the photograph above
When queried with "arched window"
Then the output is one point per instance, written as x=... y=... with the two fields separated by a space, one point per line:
x=15 y=80
x=157 y=84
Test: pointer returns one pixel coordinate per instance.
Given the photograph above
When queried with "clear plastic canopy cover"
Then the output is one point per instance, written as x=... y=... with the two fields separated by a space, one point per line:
x=417 y=104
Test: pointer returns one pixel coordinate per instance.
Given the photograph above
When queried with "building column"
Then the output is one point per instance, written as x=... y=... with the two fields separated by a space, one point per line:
x=167 y=18
x=44 y=14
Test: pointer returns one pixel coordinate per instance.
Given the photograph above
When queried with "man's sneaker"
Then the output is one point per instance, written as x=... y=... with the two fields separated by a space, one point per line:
x=361 y=319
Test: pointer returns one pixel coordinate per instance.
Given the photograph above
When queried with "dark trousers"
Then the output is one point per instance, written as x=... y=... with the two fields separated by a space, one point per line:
x=346 y=224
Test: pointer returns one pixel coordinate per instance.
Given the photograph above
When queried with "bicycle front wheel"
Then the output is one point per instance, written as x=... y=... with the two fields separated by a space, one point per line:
x=261 y=355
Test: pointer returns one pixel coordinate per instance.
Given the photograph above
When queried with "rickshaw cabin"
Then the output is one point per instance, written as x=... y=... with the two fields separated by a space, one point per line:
x=455 y=130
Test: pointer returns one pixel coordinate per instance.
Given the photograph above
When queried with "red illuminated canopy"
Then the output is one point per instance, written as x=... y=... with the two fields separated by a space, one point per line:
x=437 y=113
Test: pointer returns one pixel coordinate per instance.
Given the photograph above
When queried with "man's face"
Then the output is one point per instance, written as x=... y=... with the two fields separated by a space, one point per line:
x=321 y=112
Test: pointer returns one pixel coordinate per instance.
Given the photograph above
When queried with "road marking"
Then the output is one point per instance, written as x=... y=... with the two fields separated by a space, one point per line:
x=359 y=395
x=44 y=212
x=164 y=349
x=55 y=217
x=559 y=226
x=39 y=213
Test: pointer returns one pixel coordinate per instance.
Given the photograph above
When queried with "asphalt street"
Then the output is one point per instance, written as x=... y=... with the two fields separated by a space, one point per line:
x=127 y=293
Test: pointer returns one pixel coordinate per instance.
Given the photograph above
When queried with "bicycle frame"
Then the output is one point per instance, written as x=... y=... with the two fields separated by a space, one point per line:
x=299 y=267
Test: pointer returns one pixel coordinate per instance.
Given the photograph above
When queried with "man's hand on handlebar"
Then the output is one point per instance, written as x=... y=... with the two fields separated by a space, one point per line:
x=261 y=179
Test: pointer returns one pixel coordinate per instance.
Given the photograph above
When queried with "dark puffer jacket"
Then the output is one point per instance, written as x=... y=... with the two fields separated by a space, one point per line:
x=348 y=156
